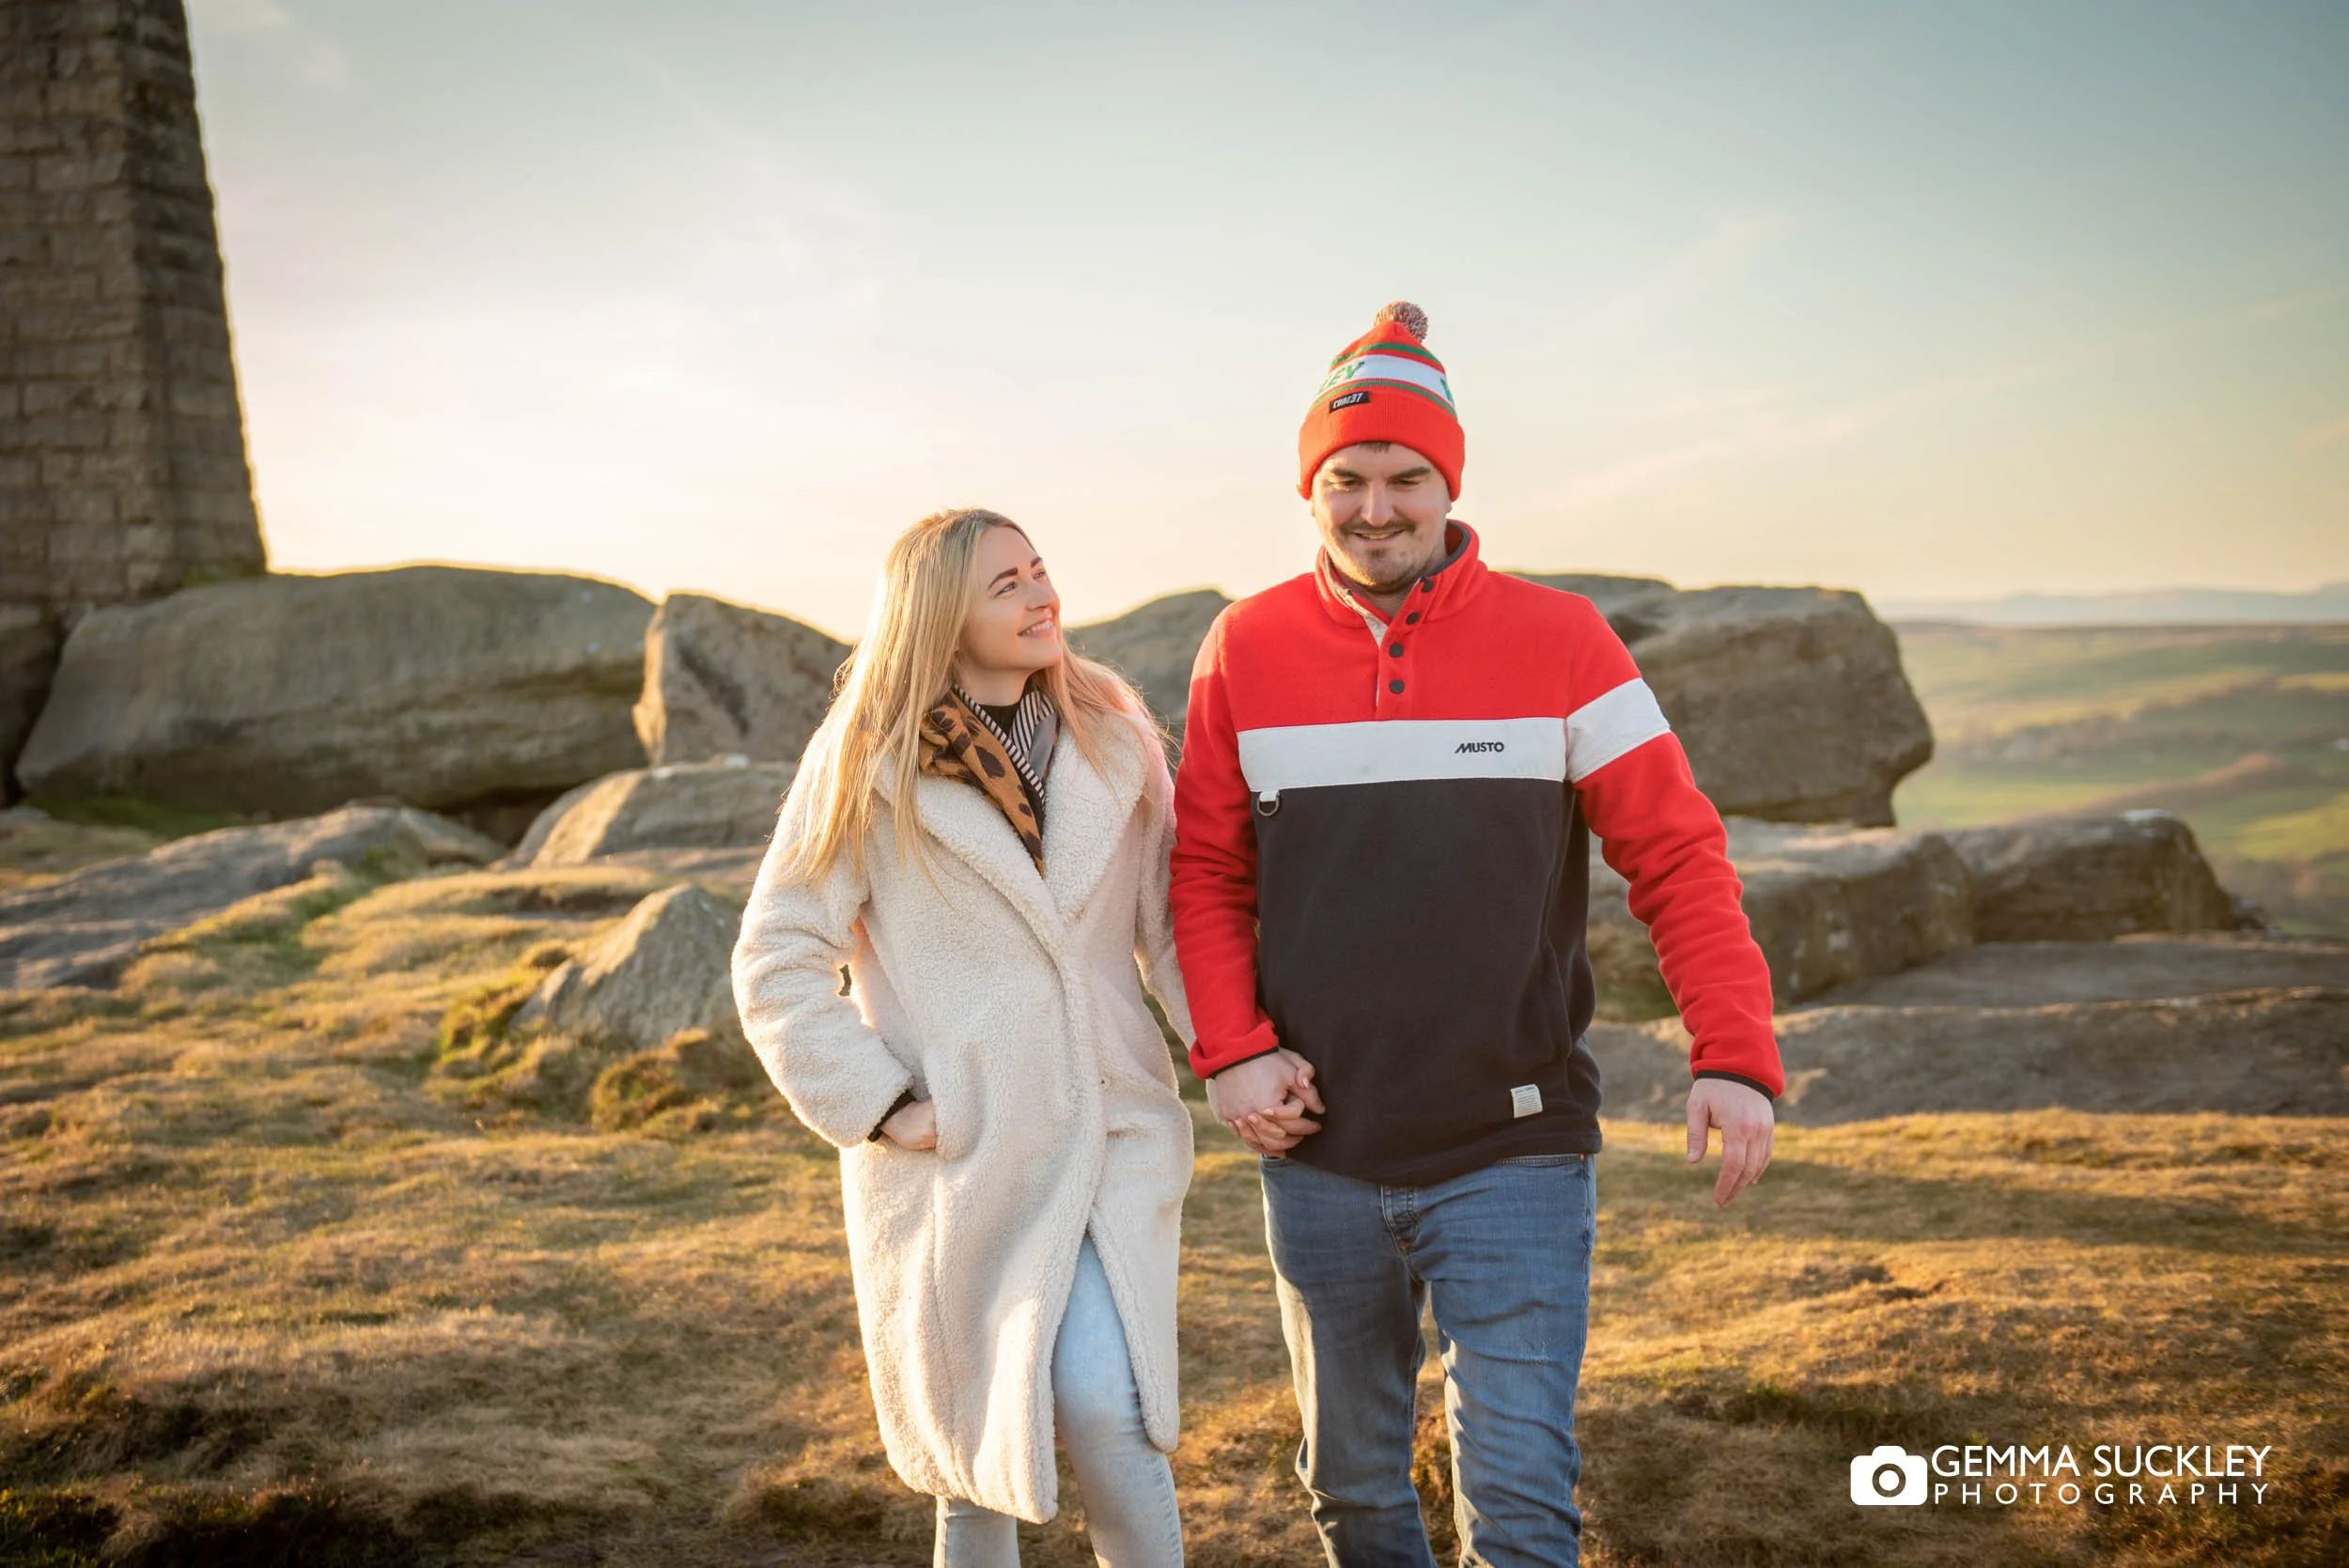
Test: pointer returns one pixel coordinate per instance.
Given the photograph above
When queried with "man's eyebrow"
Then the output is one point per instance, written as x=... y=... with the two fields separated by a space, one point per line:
x=1422 y=472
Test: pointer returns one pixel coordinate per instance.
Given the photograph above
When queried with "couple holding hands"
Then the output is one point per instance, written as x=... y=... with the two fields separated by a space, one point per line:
x=1361 y=900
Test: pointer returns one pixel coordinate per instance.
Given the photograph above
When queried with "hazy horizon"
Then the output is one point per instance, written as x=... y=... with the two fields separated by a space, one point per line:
x=1935 y=304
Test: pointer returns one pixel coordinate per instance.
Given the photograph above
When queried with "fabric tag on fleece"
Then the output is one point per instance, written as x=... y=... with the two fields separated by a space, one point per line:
x=1526 y=1099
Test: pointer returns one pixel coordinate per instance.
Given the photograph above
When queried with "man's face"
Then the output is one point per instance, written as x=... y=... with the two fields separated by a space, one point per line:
x=1381 y=510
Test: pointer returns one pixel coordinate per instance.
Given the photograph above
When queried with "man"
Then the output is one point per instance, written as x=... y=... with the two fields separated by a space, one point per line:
x=1392 y=769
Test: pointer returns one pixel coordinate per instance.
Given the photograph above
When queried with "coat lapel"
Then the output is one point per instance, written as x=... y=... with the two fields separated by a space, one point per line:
x=1085 y=819
x=969 y=826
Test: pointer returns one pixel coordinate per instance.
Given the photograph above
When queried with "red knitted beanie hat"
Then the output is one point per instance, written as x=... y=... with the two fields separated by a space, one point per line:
x=1385 y=386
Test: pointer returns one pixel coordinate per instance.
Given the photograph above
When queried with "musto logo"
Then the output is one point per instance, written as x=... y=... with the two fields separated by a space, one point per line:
x=2162 y=1475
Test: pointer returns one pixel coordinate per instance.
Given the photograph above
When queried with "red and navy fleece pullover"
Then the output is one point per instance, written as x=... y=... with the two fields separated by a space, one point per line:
x=1382 y=862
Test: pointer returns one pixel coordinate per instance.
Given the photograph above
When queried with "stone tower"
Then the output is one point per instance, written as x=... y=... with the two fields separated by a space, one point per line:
x=122 y=465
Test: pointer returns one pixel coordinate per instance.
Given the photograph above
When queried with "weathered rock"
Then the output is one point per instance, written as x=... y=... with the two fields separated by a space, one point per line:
x=727 y=803
x=2129 y=969
x=1828 y=905
x=1619 y=598
x=81 y=928
x=725 y=679
x=1790 y=702
x=28 y=661
x=1154 y=646
x=442 y=686
x=663 y=968
x=2086 y=880
x=2271 y=1052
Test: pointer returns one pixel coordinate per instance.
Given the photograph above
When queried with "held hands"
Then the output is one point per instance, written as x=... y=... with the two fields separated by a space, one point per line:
x=915 y=1127
x=1265 y=1101
x=1747 y=1122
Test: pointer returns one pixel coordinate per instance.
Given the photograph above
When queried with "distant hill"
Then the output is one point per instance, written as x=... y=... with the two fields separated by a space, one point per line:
x=2153 y=607
x=2242 y=730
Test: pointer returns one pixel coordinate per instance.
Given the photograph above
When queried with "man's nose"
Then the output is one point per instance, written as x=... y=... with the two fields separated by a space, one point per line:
x=1377 y=509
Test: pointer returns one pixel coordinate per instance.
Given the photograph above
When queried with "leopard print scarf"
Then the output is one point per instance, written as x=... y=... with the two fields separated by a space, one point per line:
x=1009 y=768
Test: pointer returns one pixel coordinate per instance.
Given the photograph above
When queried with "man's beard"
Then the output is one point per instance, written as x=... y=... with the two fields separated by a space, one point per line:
x=1355 y=570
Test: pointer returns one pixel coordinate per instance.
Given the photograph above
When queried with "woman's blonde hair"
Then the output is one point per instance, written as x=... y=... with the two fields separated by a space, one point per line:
x=900 y=672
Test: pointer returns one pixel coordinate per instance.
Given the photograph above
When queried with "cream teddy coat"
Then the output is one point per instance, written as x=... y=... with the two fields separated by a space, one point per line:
x=1012 y=1002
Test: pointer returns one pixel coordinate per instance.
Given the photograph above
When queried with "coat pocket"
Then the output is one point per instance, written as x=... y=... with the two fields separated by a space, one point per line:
x=954 y=1103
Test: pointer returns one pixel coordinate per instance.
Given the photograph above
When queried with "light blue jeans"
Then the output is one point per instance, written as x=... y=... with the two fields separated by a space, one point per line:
x=1129 y=1488
x=1503 y=1256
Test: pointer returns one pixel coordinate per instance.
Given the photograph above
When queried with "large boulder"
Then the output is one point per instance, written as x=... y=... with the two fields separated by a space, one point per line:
x=664 y=969
x=2145 y=967
x=1828 y=906
x=1790 y=702
x=2256 y=1053
x=2093 y=879
x=82 y=928
x=725 y=679
x=442 y=686
x=724 y=804
x=1154 y=647
x=29 y=660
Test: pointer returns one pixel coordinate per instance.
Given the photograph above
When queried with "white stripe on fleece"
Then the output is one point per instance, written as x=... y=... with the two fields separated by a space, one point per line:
x=1309 y=756
x=1388 y=367
x=1610 y=725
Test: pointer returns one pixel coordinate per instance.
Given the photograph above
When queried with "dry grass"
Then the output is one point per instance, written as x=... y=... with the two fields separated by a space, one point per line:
x=281 y=1281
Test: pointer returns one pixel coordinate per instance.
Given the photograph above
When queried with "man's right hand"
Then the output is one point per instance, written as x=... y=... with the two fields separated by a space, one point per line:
x=1265 y=1101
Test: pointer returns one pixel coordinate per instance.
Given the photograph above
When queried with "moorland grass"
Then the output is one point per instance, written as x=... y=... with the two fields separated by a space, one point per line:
x=278 y=1284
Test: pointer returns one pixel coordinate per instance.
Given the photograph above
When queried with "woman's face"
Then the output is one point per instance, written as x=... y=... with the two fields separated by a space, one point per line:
x=1014 y=621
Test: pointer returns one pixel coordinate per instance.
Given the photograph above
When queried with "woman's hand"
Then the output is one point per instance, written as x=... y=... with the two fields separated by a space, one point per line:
x=915 y=1127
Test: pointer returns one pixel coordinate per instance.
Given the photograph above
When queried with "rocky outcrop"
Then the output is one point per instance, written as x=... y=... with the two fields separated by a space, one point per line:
x=1790 y=702
x=2256 y=1053
x=2086 y=880
x=1828 y=906
x=81 y=928
x=28 y=661
x=2144 y=968
x=1153 y=647
x=664 y=969
x=723 y=804
x=441 y=685
x=724 y=679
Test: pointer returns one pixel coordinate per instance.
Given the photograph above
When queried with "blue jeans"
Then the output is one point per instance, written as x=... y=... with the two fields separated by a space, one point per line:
x=1129 y=1488
x=1504 y=1255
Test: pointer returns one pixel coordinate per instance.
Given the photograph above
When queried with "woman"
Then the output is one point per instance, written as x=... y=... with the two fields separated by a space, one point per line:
x=979 y=832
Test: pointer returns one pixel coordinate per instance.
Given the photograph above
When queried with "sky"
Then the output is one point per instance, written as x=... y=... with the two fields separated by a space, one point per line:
x=1928 y=301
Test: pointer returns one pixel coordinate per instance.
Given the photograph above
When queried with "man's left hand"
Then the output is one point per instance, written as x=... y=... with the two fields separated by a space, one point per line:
x=1747 y=1123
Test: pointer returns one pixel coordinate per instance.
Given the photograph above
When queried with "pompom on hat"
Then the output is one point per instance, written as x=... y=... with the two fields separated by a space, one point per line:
x=1385 y=386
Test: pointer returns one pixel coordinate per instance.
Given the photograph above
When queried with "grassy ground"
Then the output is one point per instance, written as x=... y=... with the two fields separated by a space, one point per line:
x=301 y=1259
x=2244 y=731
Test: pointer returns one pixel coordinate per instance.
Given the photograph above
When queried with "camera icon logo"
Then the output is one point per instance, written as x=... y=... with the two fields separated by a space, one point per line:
x=1891 y=1476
